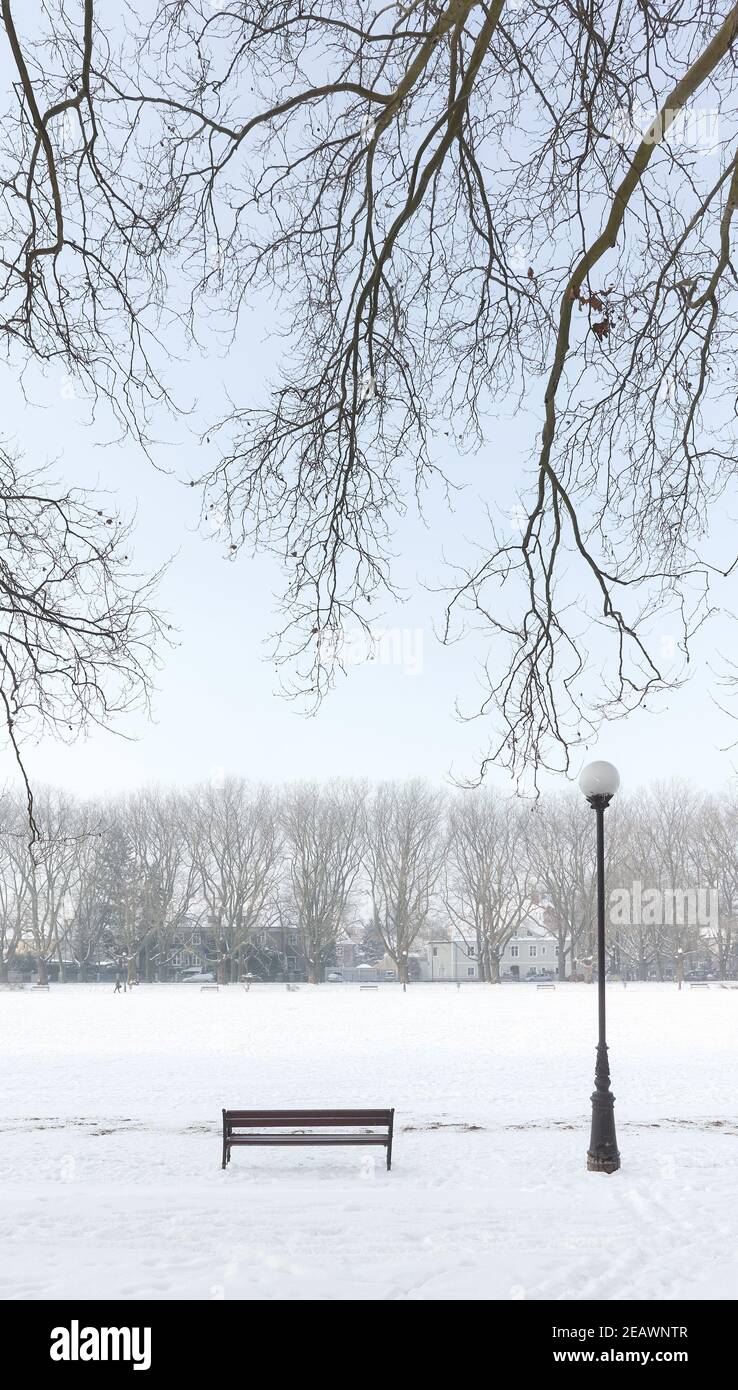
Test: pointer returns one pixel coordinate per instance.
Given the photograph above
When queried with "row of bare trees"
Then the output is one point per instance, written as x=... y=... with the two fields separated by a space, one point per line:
x=237 y=872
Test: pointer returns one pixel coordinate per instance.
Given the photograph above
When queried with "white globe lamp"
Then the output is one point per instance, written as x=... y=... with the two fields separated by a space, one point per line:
x=599 y=779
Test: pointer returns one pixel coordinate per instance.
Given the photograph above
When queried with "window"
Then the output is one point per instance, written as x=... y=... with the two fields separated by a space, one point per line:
x=470 y=952
x=533 y=952
x=471 y=971
x=435 y=950
x=543 y=950
x=514 y=951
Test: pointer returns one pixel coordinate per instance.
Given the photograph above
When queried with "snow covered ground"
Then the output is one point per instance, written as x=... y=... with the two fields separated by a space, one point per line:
x=110 y=1144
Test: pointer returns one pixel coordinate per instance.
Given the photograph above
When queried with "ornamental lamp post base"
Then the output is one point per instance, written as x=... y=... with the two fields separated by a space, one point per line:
x=603 y=1156
x=596 y=1164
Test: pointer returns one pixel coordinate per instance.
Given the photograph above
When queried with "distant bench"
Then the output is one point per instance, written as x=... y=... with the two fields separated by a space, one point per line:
x=368 y=987
x=248 y=1127
x=698 y=984
x=546 y=984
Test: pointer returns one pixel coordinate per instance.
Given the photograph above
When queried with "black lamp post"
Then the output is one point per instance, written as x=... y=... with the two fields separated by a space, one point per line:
x=599 y=782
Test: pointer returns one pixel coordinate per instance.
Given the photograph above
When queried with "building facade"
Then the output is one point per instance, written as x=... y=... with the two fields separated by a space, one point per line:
x=532 y=954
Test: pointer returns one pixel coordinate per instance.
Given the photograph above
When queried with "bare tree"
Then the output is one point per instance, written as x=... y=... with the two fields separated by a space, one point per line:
x=166 y=870
x=637 y=939
x=234 y=841
x=13 y=826
x=80 y=938
x=78 y=635
x=134 y=882
x=42 y=875
x=716 y=852
x=663 y=854
x=561 y=854
x=403 y=858
x=323 y=826
x=488 y=882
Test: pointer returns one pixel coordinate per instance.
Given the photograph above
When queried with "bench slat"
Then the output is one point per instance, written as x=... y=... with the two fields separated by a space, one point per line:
x=248 y=1118
x=357 y=1109
x=308 y=1139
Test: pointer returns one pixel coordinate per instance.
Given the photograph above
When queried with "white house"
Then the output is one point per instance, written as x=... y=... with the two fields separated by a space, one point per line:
x=532 y=952
x=449 y=960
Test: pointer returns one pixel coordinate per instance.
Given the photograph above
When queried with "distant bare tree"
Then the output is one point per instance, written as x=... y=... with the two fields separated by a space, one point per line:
x=664 y=855
x=234 y=840
x=488 y=881
x=167 y=871
x=561 y=852
x=13 y=825
x=323 y=827
x=716 y=855
x=640 y=942
x=403 y=858
x=42 y=875
x=716 y=852
x=80 y=940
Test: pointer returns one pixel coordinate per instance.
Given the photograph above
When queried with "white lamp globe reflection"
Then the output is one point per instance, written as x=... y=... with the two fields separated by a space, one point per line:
x=599 y=779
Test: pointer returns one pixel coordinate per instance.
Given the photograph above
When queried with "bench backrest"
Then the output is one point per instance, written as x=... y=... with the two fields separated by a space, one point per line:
x=266 y=1119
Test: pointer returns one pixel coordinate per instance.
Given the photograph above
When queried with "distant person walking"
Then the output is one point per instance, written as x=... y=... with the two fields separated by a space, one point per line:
x=118 y=989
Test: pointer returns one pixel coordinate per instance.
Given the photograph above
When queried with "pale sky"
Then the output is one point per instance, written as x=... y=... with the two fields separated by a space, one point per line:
x=216 y=705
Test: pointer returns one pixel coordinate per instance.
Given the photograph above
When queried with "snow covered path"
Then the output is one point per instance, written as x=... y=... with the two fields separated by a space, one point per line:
x=110 y=1144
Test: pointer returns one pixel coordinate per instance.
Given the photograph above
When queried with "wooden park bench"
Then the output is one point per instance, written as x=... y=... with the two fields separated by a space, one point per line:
x=698 y=984
x=248 y=1127
x=546 y=984
x=202 y=987
x=368 y=987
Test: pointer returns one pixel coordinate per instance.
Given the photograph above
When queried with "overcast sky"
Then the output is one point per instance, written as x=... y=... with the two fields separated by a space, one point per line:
x=217 y=704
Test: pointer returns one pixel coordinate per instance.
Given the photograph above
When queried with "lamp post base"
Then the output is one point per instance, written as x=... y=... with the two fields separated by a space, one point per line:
x=603 y=1156
x=597 y=1163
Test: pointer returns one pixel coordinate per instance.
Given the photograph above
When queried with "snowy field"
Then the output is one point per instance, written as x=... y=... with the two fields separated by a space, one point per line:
x=110 y=1161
